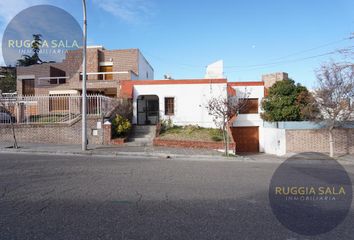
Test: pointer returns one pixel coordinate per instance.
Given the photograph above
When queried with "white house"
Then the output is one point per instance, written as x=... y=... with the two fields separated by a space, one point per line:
x=248 y=127
x=182 y=101
x=185 y=101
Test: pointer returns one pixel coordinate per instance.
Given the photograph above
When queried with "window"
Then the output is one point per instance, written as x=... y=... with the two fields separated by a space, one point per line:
x=169 y=106
x=251 y=106
x=28 y=87
x=106 y=76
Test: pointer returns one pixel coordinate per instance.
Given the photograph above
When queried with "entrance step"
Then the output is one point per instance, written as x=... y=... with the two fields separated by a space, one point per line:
x=141 y=135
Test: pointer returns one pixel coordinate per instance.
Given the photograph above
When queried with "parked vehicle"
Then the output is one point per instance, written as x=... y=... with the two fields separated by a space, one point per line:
x=6 y=117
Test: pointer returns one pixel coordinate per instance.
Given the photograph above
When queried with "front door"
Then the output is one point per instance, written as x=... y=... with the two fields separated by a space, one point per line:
x=148 y=110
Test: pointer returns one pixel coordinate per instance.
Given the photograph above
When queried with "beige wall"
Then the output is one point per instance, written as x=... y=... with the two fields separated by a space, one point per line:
x=318 y=141
x=54 y=133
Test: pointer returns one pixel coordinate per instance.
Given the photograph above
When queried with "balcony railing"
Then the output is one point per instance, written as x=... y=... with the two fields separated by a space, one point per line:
x=107 y=76
x=48 y=81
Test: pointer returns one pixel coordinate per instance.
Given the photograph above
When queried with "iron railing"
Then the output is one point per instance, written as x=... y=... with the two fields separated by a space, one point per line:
x=52 y=109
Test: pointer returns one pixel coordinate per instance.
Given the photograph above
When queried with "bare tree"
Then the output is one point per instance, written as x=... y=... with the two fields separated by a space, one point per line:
x=335 y=96
x=7 y=107
x=224 y=110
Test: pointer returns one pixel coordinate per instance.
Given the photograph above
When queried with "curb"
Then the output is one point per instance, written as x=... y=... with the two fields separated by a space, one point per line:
x=126 y=154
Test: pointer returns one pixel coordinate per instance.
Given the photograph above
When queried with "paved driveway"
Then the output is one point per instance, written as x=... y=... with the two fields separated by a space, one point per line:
x=66 y=197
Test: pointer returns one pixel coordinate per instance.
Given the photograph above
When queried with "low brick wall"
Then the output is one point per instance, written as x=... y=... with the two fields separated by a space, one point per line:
x=318 y=141
x=52 y=133
x=107 y=135
x=190 y=144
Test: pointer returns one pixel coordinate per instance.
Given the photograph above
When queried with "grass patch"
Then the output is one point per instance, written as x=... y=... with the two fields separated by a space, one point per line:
x=192 y=133
x=52 y=118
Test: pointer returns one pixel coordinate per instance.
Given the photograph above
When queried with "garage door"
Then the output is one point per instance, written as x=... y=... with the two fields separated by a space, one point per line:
x=246 y=138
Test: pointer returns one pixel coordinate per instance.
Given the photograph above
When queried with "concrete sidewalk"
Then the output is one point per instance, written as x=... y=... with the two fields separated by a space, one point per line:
x=157 y=152
x=162 y=152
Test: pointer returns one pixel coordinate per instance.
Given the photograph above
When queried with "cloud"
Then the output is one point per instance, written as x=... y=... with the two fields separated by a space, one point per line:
x=131 y=11
x=9 y=9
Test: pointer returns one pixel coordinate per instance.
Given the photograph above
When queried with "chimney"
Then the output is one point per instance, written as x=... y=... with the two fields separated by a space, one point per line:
x=270 y=79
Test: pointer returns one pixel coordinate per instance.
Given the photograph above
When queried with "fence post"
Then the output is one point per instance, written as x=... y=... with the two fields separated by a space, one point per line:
x=69 y=102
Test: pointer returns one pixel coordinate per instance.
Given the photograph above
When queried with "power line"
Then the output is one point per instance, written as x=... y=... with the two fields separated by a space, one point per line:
x=255 y=66
x=284 y=62
x=260 y=66
x=292 y=54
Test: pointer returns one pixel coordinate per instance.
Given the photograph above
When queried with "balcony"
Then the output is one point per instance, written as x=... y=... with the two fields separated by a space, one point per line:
x=110 y=76
x=50 y=81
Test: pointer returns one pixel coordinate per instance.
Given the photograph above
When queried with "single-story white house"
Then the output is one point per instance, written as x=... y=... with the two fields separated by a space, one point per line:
x=185 y=101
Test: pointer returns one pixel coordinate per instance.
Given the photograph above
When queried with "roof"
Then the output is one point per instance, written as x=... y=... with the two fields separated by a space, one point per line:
x=127 y=86
x=245 y=84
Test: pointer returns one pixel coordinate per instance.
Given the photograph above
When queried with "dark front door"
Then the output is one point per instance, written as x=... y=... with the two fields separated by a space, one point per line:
x=148 y=110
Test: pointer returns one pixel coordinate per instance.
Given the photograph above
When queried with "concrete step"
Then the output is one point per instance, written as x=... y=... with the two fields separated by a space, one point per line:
x=141 y=136
x=138 y=144
x=144 y=129
x=137 y=139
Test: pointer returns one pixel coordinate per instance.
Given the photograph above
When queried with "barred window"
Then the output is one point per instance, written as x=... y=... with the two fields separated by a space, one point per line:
x=169 y=106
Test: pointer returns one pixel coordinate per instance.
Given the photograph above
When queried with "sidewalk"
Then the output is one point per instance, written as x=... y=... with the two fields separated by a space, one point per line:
x=158 y=152
x=99 y=150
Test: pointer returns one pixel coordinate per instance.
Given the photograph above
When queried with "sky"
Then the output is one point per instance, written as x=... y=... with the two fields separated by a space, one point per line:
x=180 y=38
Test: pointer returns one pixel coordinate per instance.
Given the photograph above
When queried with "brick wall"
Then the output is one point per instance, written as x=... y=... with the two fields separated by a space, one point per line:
x=318 y=141
x=190 y=144
x=270 y=79
x=52 y=133
x=123 y=60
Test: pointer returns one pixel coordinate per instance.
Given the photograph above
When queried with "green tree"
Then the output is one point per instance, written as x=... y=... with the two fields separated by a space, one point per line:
x=8 y=83
x=288 y=101
x=34 y=59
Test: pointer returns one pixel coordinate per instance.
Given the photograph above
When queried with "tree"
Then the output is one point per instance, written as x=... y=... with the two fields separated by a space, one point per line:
x=335 y=96
x=288 y=101
x=34 y=59
x=5 y=107
x=224 y=110
x=8 y=83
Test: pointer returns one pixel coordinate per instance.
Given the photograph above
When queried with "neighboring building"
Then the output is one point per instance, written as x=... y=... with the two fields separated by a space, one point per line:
x=105 y=71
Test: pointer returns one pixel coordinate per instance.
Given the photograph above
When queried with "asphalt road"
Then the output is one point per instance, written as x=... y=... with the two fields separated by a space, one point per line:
x=77 y=197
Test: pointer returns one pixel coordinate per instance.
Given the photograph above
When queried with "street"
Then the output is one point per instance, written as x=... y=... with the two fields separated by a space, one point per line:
x=88 y=197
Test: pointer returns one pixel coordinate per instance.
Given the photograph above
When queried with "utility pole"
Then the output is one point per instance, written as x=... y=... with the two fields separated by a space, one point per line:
x=84 y=70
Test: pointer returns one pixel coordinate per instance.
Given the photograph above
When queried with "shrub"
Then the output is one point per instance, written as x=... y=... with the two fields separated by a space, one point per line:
x=121 y=126
x=191 y=128
x=166 y=124
x=216 y=135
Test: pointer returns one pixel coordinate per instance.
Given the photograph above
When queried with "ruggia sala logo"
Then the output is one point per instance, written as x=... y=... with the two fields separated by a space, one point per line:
x=310 y=194
x=41 y=34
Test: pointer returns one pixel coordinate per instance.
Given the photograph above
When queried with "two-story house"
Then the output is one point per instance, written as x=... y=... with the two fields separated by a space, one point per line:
x=105 y=71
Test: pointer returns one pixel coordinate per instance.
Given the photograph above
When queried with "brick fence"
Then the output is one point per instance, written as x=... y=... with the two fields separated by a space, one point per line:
x=191 y=144
x=318 y=141
x=54 y=133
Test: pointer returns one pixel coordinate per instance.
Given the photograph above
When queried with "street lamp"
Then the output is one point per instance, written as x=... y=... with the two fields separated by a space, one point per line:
x=84 y=103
